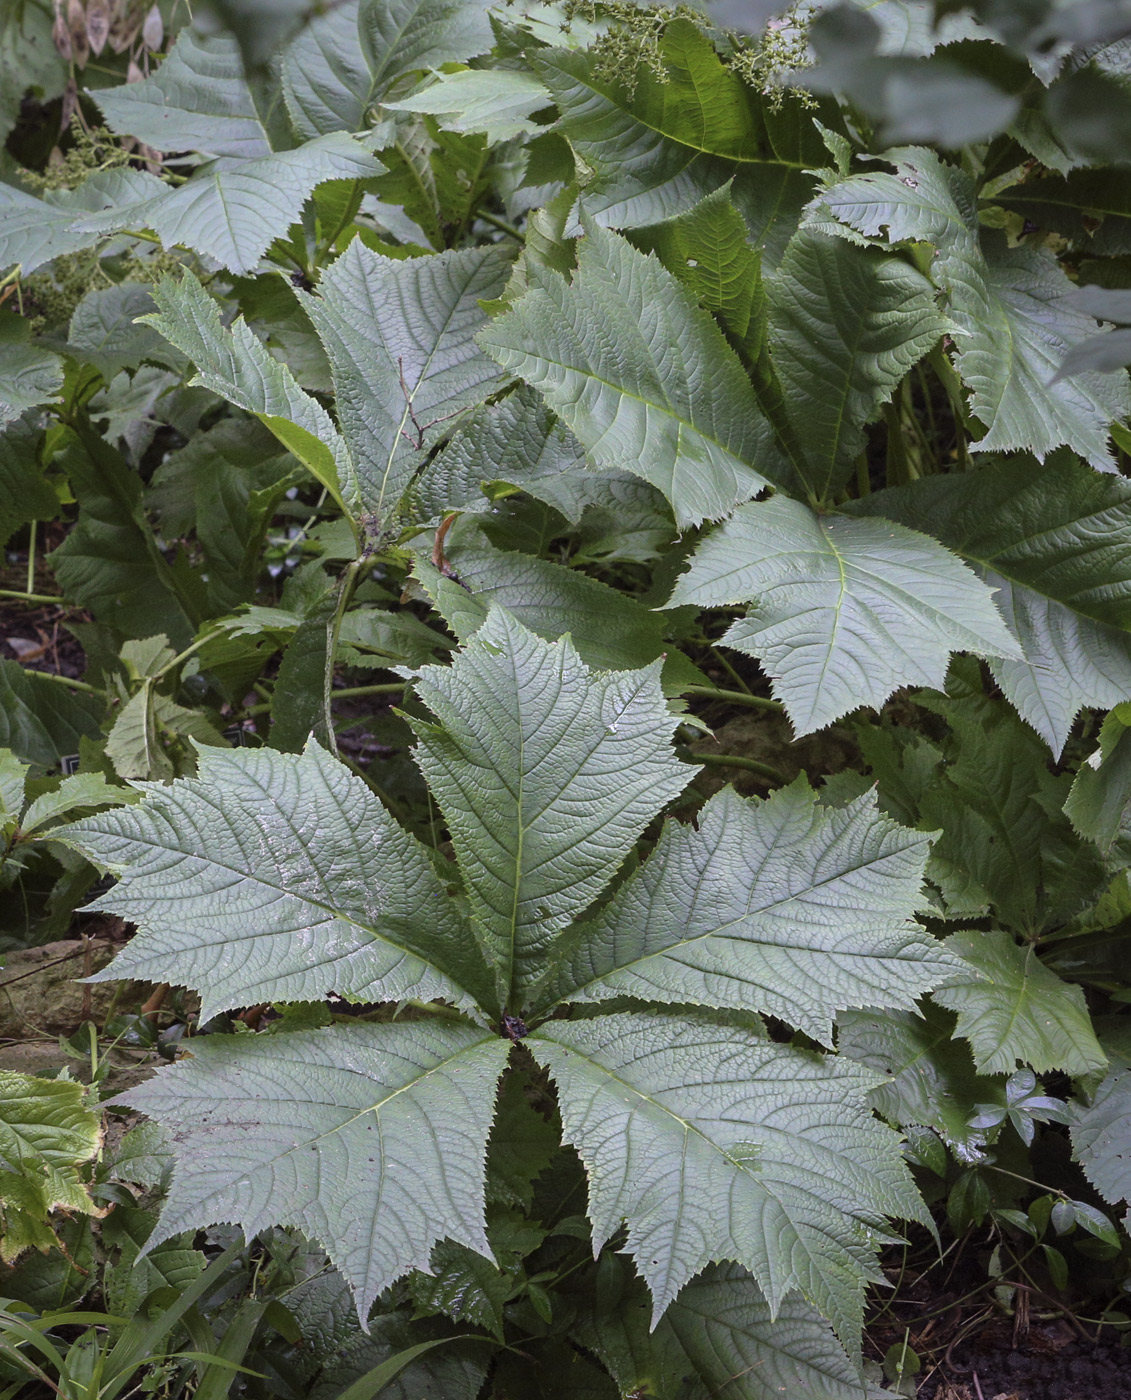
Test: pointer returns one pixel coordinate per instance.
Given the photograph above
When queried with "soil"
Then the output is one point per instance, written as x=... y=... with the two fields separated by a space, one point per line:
x=1078 y=1371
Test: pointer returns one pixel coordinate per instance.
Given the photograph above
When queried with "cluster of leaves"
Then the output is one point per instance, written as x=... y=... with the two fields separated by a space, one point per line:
x=554 y=364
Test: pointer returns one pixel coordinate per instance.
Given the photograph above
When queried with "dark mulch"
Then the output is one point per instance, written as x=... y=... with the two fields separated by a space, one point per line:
x=1078 y=1371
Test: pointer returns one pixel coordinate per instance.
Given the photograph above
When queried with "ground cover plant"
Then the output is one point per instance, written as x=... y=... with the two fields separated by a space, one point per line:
x=568 y=618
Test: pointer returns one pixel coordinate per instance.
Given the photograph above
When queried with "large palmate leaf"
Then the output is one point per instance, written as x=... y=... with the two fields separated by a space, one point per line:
x=279 y=877
x=654 y=146
x=546 y=775
x=1053 y=539
x=1012 y=308
x=369 y=1139
x=1013 y=1009
x=845 y=327
x=400 y=340
x=237 y=365
x=641 y=375
x=198 y=100
x=841 y=616
x=717 y=1335
x=780 y=906
x=714 y=1145
x=231 y=210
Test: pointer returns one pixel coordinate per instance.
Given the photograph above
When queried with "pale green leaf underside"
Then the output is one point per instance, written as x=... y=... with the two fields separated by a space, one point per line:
x=841 y=616
x=34 y=231
x=237 y=365
x=278 y=877
x=845 y=327
x=547 y=774
x=370 y=1139
x=1101 y=1136
x=641 y=375
x=713 y=1145
x=28 y=376
x=783 y=906
x=232 y=210
x=400 y=339
x=1013 y=1009
x=497 y=102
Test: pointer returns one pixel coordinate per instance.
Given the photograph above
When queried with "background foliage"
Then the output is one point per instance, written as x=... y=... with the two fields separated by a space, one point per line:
x=448 y=441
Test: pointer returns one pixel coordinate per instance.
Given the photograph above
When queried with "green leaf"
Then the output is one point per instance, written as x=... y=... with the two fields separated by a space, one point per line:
x=714 y=1145
x=400 y=338
x=46 y=1134
x=641 y=375
x=653 y=147
x=40 y=720
x=1092 y=207
x=77 y=790
x=546 y=774
x=1101 y=1133
x=497 y=102
x=782 y=906
x=718 y=1335
x=400 y=36
x=325 y=78
x=841 y=616
x=34 y=231
x=130 y=1280
x=368 y=1138
x=111 y=562
x=28 y=59
x=931 y=1080
x=1014 y=1010
x=1099 y=805
x=1051 y=538
x=28 y=376
x=845 y=326
x=236 y=365
x=275 y=898
x=24 y=493
x=464 y=1286
x=13 y=774
x=232 y=210
x=197 y=100
x=104 y=330
x=609 y=630
x=1012 y=308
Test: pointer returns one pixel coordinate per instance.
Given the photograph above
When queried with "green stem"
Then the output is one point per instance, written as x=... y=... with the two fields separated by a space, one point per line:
x=500 y=224
x=736 y=697
x=346 y=586
x=31 y=556
x=731 y=760
x=77 y=685
x=354 y=691
x=33 y=597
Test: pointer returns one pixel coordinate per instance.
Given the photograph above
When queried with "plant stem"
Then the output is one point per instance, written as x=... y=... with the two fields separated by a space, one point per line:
x=735 y=697
x=346 y=585
x=32 y=597
x=76 y=685
x=354 y=691
x=32 y=532
x=496 y=222
x=731 y=760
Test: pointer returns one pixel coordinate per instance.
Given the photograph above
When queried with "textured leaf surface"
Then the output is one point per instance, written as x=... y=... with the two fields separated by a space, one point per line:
x=370 y=1139
x=641 y=375
x=845 y=327
x=546 y=774
x=278 y=877
x=1101 y=1135
x=781 y=906
x=715 y=1145
x=28 y=376
x=496 y=102
x=103 y=328
x=398 y=36
x=1013 y=1009
x=236 y=365
x=1012 y=307
x=197 y=100
x=231 y=210
x=719 y=1336
x=400 y=339
x=34 y=231
x=326 y=80
x=1099 y=805
x=1053 y=539
x=841 y=616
